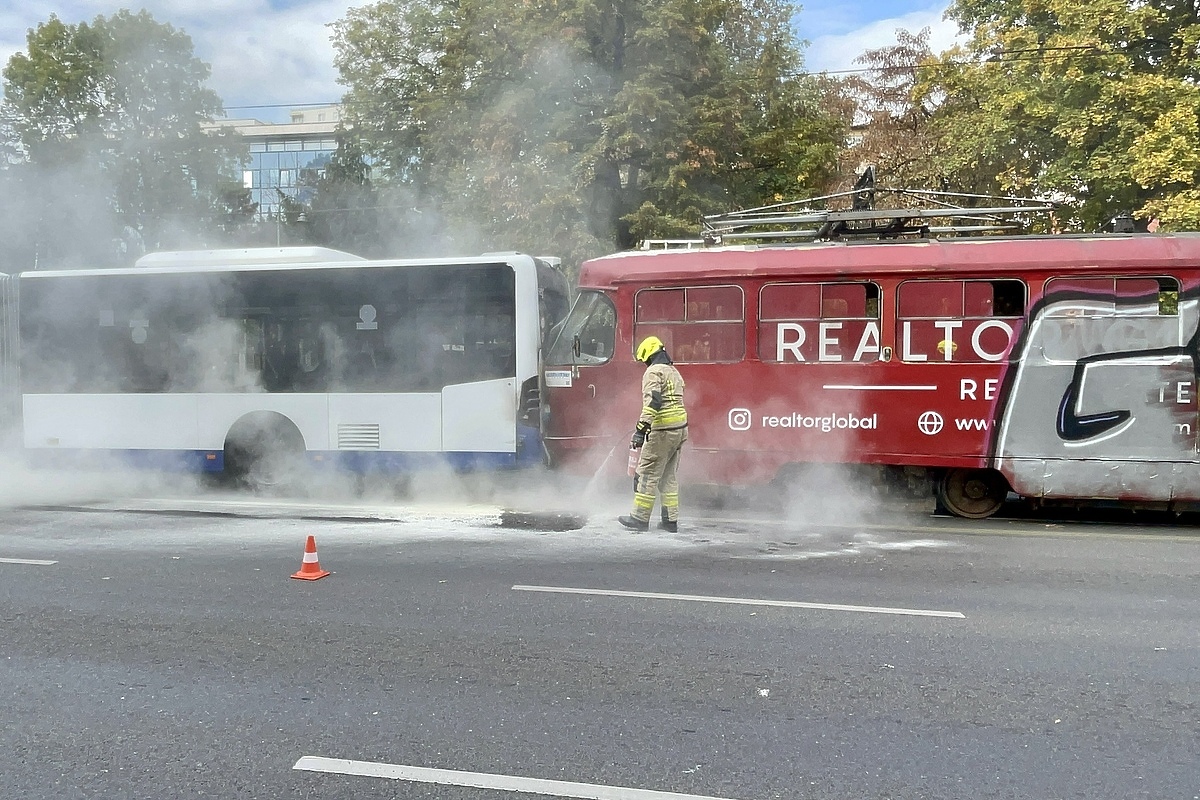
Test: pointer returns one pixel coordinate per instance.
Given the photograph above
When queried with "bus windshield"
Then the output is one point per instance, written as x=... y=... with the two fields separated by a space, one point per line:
x=588 y=334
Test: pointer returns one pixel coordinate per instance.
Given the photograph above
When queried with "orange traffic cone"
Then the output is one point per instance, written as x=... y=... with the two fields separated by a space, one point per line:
x=310 y=568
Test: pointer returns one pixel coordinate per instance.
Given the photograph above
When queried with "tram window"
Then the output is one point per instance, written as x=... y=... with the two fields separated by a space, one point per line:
x=1078 y=286
x=1168 y=297
x=660 y=305
x=593 y=322
x=716 y=303
x=846 y=301
x=930 y=299
x=697 y=324
x=1008 y=298
x=961 y=299
x=818 y=322
x=1097 y=316
x=790 y=301
x=1105 y=295
x=958 y=321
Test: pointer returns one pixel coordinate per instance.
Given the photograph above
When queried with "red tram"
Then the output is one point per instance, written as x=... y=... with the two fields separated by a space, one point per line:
x=1048 y=366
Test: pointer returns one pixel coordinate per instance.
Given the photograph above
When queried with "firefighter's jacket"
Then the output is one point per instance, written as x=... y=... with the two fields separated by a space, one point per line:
x=662 y=397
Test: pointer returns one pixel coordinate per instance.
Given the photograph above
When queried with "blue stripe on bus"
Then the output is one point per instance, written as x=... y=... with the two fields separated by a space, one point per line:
x=162 y=460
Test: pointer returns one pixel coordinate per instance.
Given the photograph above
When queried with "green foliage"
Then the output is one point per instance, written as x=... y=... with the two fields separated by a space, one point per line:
x=895 y=131
x=344 y=213
x=570 y=126
x=108 y=118
x=1092 y=104
x=237 y=211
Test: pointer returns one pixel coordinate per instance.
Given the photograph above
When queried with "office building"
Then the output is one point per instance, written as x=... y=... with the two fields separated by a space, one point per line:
x=288 y=157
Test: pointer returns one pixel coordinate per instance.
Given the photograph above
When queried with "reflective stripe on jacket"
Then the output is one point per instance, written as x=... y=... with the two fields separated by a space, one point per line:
x=662 y=398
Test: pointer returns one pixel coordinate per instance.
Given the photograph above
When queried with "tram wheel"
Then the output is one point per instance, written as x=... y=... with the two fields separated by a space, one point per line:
x=972 y=493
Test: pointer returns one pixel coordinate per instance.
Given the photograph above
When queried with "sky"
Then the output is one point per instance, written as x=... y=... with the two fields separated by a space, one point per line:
x=268 y=56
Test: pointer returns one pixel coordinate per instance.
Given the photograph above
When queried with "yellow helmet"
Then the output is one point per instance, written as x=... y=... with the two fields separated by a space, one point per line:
x=649 y=346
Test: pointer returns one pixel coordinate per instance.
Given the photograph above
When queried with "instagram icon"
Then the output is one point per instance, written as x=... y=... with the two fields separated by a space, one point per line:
x=739 y=419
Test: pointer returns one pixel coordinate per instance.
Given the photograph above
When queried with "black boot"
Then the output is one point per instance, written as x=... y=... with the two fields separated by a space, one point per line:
x=634 y=524
x=668 y=525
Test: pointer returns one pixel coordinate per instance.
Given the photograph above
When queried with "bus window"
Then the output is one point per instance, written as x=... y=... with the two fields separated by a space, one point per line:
x=1095 y=316
x=697 y=324
x=818 y=323
x=958 y=321
x=592 y=322
x=419 y=328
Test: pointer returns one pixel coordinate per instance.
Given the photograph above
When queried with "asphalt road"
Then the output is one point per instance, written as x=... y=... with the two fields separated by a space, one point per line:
x=165 y=652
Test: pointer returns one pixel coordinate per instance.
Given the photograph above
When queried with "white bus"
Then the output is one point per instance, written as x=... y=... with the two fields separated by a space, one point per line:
x=245 y=362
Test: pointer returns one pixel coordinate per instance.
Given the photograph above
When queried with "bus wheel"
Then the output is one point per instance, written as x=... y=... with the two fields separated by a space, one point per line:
x=264 y=451
x=972 y=493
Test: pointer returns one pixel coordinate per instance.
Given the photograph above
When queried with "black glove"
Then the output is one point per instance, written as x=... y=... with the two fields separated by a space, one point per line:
x=639 y=434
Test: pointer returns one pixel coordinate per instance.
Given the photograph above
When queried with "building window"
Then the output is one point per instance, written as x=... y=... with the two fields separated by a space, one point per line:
x=700 y=324
x=805 y=323
x=247 y=179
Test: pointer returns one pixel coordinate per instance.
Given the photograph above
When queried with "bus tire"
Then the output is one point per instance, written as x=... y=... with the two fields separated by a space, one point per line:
x=264 y=450
x=972 y=493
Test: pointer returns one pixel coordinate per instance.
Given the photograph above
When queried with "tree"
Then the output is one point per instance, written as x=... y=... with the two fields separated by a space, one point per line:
x=108 y=116
x=892 y=127
x=1092 y=104
x=238 y=212
x=344 y=211
x=580 y=125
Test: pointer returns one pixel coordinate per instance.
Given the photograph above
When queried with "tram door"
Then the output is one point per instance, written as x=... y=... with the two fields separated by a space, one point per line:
x=582 y=380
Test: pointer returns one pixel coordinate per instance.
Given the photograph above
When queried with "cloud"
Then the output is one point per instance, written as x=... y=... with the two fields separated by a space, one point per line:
x=835 y=52
x=263 y=53
x=269 y=55
x=285 y=58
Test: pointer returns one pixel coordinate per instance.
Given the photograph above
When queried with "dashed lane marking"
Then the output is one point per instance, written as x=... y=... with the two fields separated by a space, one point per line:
x=746 y=601
x=484 y=780
x=37 y=562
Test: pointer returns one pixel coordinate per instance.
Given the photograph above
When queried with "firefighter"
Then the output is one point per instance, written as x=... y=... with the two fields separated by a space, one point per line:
x=660 y=433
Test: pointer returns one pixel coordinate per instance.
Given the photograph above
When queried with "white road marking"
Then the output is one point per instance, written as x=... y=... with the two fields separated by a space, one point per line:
x=37 y=562
x=746 y=601
x=484 y=780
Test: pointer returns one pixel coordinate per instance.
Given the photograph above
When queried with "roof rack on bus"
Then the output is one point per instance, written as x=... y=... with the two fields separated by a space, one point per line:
x=245 y=255
x=918 y=213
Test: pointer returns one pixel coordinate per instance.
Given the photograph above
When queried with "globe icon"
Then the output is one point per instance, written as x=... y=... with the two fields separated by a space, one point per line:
x=930 y=423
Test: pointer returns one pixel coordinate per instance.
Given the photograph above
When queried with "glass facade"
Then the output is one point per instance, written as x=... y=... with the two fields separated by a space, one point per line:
x=287 y=157
x=291 y=164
